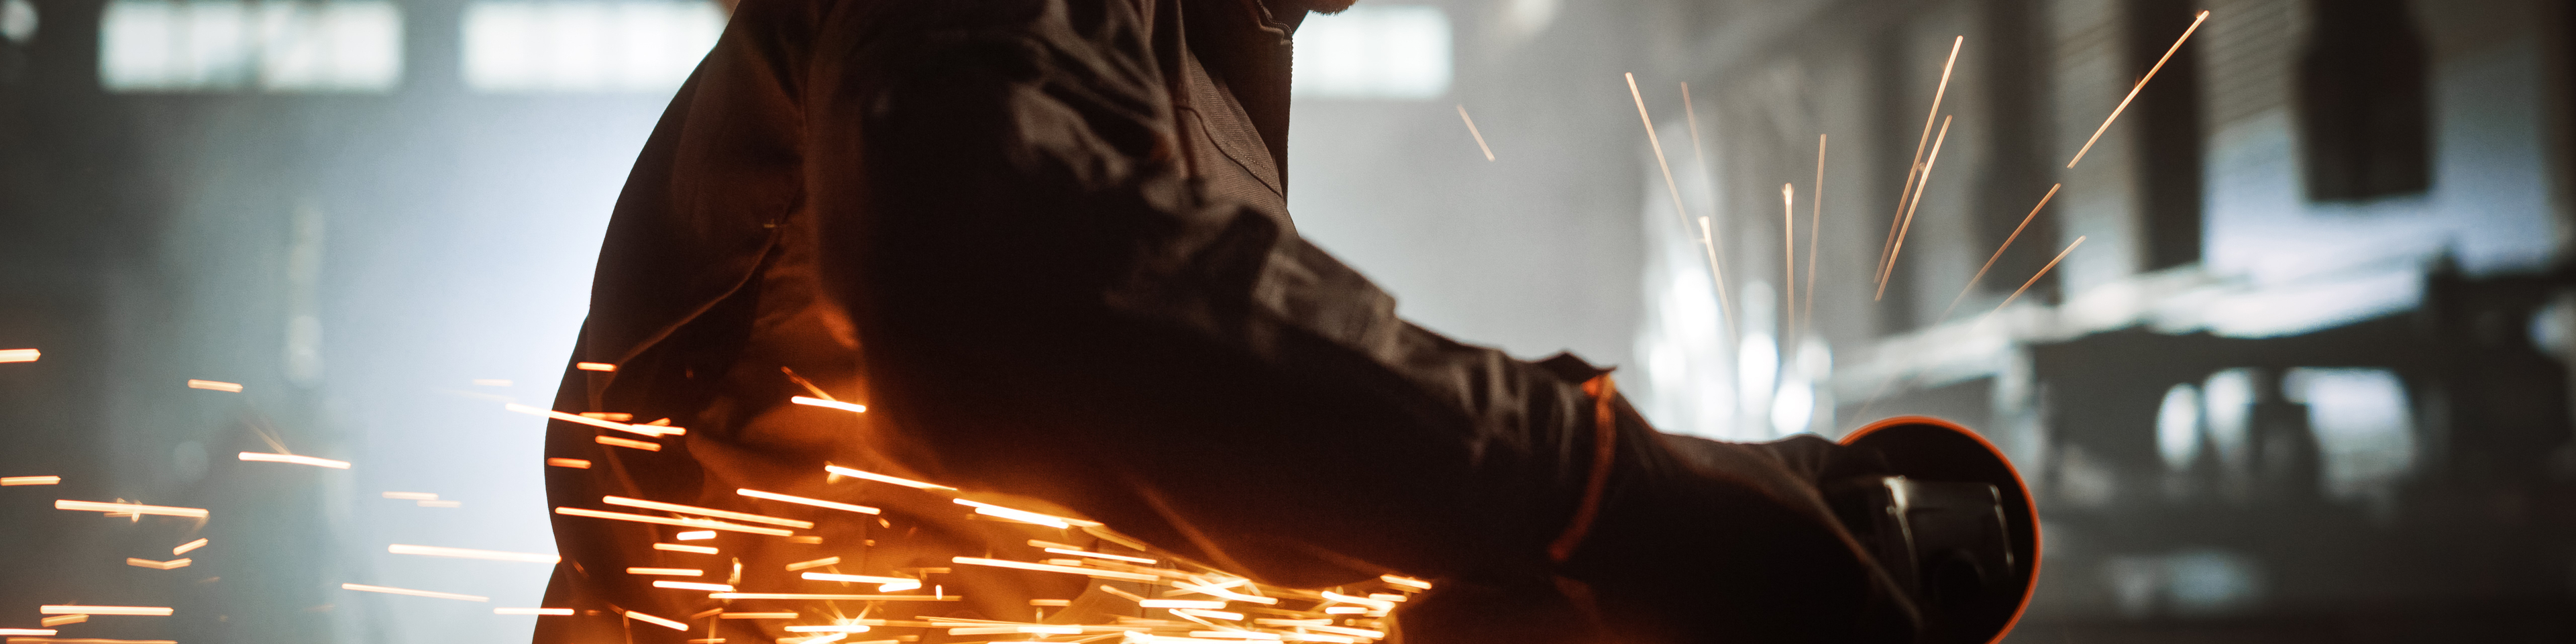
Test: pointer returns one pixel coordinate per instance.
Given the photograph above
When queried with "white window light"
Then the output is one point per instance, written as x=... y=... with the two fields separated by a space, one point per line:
x=581 y=46
x=278 y=46
x=1374 y=52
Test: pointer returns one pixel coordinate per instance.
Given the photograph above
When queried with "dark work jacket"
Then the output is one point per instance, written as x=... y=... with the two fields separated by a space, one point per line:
x=1045 y=242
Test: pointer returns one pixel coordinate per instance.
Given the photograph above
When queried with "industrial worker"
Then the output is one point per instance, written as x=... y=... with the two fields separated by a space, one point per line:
x=1045 y=244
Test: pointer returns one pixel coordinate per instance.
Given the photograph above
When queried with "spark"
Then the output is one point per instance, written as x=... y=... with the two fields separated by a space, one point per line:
x=1221 y=592
x=686 y=523
x=776 y=615
x=836 y=628
x=818 y=639
x=691 y=509
x=2034 y=278
x=2133 y=90
x=881 y=478
x=491 y=382
x=159 y=565
x=1999 y=251
x=30 y=355
x=214 y=385
x=908 y=584
x=1349 y=631
x=1345 y=610
x=1240 y=635
x=1024 y=516
x=617 y=416
x=1405 y=581
x=613 y=441
x=594 y=366
x=415 y=593
x=532 y=611
x=1051 y=602
x=575 y=463
x=1815 y=225
x=1001 y=563
x=1210 y=614
x=1706 y=236
x=1789 y=254
x=1180 y=603
x=262 y=457
x=65 y=619
x=818 y=563
x=691 y=585
x=1941 y=91
x=185 y=547
x=838 y=597
x=647 y=430
x=677 y=572
x=865 y=579
x=27 y=631
x=1471 y=129
x=412 y=496
x=774 y=496
x=83 y=640
x=835 y=404
x=1379 y=604
x=30 y=480
x=695 y=535
x=1888 y=273
x=1086 y=553
x=657 y=621
x=468 y=553
x=808 y=539
x=128 y=508
x=674 y=547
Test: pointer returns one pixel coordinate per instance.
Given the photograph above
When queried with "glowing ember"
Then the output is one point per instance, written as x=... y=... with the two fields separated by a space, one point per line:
x=655 y=431
x=261 y=457
x=687 y=523
x=695 y=535
x=777 y=615
x=185 y=547
x=20 y=355
x=774 y=496
x=657 y=621
x=2133 y=90
x=594 y=366
x=575 y=463
x=881 y=478
x=30 y=480
x=818 y=563
x=675 y=572
x=149 y=611
x=158 y=565
x=691 y=585
x=674 y=547
x=691 y=509
x=1471 y=130
x=835 y=404
x=214 y=385
x=613 y=441
x=1024 y=516
x=128 y=508
x=838 y=597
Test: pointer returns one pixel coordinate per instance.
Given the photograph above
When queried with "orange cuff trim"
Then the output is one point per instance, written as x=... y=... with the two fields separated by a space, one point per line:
x=1605 y=443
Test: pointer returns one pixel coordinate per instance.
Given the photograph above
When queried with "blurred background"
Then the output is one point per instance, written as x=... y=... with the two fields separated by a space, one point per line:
x=2305 y=379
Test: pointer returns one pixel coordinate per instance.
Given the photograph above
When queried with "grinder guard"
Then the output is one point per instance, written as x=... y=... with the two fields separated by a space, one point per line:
x=1947 y=516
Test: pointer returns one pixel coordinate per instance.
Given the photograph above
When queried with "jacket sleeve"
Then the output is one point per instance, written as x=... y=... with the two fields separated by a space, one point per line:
x=1050 y=307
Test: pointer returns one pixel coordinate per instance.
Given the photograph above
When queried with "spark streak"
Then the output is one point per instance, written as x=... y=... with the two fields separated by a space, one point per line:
x=1024 y=516
x=1902 y=197
x=1471 y=129
x=1789 y=256
x=881 y=478
x=613 y=441
x=774 y=496
x=159 y=565
x=1087 y=553
x=674 y=547
x=261 y=457
x=818 y=563
x=1078 y=570
x=128 y=508
x=647 y=430
x=1815 y=226
x=215 y=385
x=839 y=597
x=2133 y=90
x=594 y=366
x=691 y=585
x=185 y=547
x=1999 y=252
x=468 y=553
x=27 y=631
x=691 y=509
x=1889 y=272
x=1408 y=582
x=415 y=593
x=776 y=615
x=834 y=404
x=657 y=621
x=2034 y=278
x=575 y=463
x=412 y=496
x=20 y=355
x=30 y=480
x=686 y=523
x=1707 y=235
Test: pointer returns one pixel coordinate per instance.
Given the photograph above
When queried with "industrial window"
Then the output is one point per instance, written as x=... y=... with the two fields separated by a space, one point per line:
x=569 y=46
x=226 y=45
x=1374 y=52
x=2361 y=102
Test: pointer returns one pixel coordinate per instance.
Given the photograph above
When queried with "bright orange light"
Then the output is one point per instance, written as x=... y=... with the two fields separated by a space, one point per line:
x=26 y=631
x=128 y=508
x=415 y=593
x=778 y=615
x=532 y=611
x=686 y=523
x=1405 y=581
x=676 y=572
x=214 y=385
x=1001 y=563
x=466 y=553
x=657 y=621
x=63 y=619
x=185 y=547
x=684 y=548
x=1024 y=516
x=835 y=404
x=837 y=628
x=158 y=565
x=774 y=496
x=1180 y=603
x=263 y=457
x=825 y=576
x=695 y=535
x=150 y=611
x=881 y=478
x=656 y=431
x=30 y=480
x=613 y=441
x=818 y=563
x=691 y=585
x=691 y=509
x=1098 y=555
x=594 y=366
x=575 y=463
x=839 y=597
x=20 y=355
